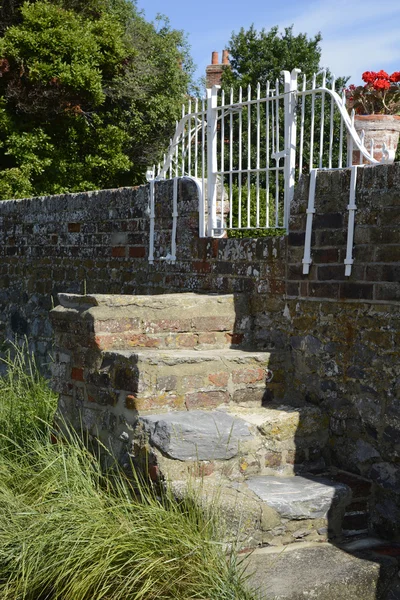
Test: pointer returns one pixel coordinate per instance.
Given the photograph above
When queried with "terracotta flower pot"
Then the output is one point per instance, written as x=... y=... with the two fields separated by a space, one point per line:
x=383 y=129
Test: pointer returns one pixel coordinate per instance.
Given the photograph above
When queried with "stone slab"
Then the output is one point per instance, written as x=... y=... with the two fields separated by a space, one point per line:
x=196 y=435
x=300 y=497
x=156 y=301
x=320 y=572
x=190 y=356
x=187 y=307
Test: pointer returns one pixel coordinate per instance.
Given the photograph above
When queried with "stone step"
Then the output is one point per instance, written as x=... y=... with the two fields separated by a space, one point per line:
x=187 y=320
x=307 y=506
x=155 y=379
x=320 y=571
x=272 y=510
x=231 y=451
x=279 y=441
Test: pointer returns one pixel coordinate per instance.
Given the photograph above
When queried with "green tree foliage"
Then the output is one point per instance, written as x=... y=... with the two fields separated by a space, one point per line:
x=259 y=56
x=89 y=93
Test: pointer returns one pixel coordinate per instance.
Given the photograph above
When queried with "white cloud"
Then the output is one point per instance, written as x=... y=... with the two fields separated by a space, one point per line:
x=356 y=35
x=342 y=57
x=344 y=16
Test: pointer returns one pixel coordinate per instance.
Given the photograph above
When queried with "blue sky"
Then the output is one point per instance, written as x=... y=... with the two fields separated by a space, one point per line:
x=358 y=35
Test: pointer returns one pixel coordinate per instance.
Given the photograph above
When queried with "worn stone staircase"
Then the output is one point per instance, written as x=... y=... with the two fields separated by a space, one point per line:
x=174 y=385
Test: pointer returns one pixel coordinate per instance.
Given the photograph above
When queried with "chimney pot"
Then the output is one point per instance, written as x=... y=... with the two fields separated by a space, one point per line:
x=225 y=57
x=214 y=58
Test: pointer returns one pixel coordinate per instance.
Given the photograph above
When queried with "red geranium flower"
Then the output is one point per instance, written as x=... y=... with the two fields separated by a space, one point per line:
x=380 y=94
x=369 y=76
x=382 y=75
x=381 y=84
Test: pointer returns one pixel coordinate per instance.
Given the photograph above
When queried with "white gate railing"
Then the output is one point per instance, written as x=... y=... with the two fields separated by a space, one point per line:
x=246 y=154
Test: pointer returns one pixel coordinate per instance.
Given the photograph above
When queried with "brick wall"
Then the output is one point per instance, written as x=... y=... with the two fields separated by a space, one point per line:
x=376 y=271
x=97 y=242
x=343 y=332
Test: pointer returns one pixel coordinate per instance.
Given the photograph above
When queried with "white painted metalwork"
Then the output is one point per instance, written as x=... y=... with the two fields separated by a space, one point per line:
x=348 y=261
x=290 y=140
x=212 y=158
x=307 y=260
x=246 y=151
x=150 y=179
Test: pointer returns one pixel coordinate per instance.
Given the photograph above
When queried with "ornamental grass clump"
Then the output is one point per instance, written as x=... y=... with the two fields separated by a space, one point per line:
x=27 y=404
x=69 y=531
x=379 y=95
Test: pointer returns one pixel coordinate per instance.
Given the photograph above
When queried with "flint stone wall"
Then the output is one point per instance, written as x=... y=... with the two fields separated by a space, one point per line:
x=344 y=332
x=97 y=242
x=340 y=334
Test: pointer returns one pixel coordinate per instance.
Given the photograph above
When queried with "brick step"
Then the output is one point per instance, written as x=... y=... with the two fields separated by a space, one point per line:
x=281 y=439
x=166 y=321
x=162 y=380
x=153 y=379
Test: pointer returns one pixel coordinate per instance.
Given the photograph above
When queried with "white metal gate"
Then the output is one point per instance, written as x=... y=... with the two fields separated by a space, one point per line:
x=247 y=152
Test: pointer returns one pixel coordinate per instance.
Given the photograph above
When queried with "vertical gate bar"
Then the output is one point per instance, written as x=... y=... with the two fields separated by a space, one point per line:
x=176 y=155
x=196 y=138
x=189 y=138
x=222 y=155
x=290 y=142
x=248 y=154
x=240 y=163
x=313 y=85
x=348 y=261
x=212 y=160
x=277 y=152
x=183 y=145
x=322 y=122
x=267 y=153
x=331 y=125
x=350 y=143
x=341 y=132
x=258 y=160
x=230 y=161
x=303 y=108
x=202 y=207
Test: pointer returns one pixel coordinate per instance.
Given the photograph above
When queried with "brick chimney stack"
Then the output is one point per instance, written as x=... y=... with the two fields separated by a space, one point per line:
x=215 y=70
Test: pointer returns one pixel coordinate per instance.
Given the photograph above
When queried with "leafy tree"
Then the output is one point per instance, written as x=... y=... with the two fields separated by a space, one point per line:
x=259 y=56
x=89 y=94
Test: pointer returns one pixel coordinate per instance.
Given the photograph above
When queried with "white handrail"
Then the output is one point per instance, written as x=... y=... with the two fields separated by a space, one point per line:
x=346 y=118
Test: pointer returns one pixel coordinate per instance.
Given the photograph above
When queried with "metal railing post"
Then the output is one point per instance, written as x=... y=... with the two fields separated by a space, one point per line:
x=212 y=159
x=290 y=81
